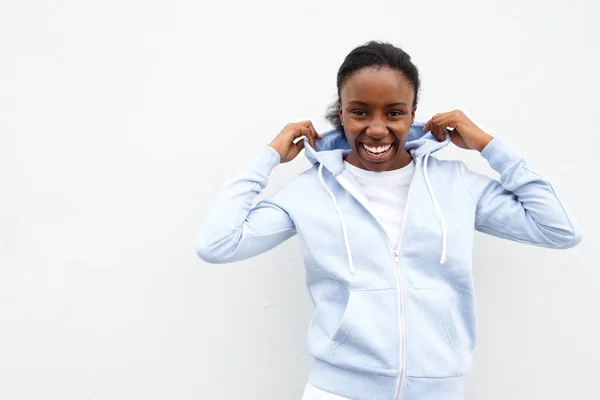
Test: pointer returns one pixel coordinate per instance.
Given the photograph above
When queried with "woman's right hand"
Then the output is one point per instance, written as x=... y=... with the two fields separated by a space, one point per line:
x=284 y=142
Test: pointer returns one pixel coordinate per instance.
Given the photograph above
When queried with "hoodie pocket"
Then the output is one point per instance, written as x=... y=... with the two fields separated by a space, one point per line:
x=435 y=335
x=366 y=338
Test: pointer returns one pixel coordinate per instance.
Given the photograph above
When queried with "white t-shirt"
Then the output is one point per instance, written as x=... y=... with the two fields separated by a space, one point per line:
x=387 y=192
x=313 y=393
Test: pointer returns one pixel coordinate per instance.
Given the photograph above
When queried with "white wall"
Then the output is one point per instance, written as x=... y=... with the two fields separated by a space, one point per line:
x=120 y=119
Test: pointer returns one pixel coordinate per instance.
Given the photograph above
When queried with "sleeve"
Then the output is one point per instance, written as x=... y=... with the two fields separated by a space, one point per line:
x=522 y=206
x=237 y=230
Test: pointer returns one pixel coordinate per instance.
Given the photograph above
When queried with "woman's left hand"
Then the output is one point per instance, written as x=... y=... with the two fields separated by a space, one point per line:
x=463 y=132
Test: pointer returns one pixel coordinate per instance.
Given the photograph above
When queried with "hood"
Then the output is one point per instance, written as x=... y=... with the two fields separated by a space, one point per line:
x=331 y=150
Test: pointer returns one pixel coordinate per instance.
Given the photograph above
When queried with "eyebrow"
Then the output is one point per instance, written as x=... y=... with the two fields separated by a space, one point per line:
x=362 y=103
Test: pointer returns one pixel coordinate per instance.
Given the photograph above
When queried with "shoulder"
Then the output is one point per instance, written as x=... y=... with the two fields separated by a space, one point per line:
x=446 y=167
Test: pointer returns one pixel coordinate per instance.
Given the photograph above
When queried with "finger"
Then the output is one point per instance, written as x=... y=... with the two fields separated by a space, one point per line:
x=308 y=133
x=314 y=136
x=437 y=131
x=297 y=148
x=440 y=116
x=427 y=126
x=317 y=135
x=293 y=151
x=301 y=130
x=457 y=139
x=305 y=124
x=446 y=123
x=431 y=125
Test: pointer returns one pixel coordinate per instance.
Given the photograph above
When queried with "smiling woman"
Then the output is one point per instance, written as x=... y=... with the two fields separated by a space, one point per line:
x=386 y=231
x=377 y=109
x=376 y=105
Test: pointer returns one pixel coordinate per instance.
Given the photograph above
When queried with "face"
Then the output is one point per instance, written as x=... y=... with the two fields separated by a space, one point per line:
x=377 y=111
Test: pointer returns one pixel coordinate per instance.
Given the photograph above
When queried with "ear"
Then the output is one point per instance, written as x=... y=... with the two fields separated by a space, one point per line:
x=412 y=116
x=340 y=114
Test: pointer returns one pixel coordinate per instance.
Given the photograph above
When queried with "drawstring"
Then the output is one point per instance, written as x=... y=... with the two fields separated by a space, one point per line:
x=443 y=258
x=439 y=210
x=342 y=221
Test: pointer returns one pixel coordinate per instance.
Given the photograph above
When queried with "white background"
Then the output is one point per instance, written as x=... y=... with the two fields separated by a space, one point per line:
x=119 y=120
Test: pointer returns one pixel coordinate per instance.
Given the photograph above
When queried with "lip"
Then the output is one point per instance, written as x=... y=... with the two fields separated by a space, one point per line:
x=376 y=159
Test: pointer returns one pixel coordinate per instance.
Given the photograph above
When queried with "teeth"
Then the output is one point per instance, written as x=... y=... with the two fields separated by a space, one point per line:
x=377 y=149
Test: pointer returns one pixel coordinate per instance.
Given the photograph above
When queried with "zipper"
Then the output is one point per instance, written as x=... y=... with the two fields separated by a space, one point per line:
x=400 y=303
x=401 y=327
x=401 y=289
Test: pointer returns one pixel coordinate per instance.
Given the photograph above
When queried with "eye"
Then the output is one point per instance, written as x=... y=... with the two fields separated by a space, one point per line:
x=359 y=113
x=396 y=113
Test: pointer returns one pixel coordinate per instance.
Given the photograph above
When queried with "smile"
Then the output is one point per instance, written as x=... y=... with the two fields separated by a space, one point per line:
x=377 y=151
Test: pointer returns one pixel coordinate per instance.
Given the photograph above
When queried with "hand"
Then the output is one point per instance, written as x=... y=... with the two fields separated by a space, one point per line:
x=463 y=132
x=284 y=142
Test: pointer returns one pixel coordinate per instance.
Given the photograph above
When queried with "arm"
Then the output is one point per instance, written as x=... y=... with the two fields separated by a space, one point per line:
x=236 y=230
x=522 y=206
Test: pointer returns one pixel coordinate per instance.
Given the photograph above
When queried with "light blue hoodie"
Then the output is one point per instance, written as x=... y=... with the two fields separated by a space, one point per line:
x=389 y=323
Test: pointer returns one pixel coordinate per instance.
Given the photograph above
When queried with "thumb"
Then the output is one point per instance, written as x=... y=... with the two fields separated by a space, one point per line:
x=294 y=150
x=458 y=140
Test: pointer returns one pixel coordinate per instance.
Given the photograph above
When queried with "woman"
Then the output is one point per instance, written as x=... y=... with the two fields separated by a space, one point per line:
x=386 y=231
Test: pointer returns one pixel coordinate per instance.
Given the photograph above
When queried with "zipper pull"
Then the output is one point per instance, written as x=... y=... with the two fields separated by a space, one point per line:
x=396 y=258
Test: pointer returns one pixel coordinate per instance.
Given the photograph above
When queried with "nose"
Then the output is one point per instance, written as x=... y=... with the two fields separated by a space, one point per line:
x=377 y=129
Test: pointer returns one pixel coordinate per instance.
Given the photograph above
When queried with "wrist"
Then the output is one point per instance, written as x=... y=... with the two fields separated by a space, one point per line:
x=277 y=148
x=483 y=141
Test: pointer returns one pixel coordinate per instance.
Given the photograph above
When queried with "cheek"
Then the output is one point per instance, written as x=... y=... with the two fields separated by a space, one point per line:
x=402 y=127
x=353 y=127
x=350 y=138
x=350 y=131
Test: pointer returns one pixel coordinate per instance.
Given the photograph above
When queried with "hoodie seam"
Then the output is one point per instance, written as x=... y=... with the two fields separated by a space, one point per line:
x=521 y=240
x=436 y=377
x=373 y=289
x=503 y=234
x=462 y=178
x=309 y=260
x=253 y=235
x=339 y=171
x=270 y=233
x=301 y=190
x=241 y=218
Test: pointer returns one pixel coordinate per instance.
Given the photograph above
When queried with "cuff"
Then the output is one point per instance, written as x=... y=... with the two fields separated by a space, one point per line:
x=499 y=155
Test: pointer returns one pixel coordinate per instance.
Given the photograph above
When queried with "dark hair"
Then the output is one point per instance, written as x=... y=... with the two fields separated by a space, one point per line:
x=372 y=54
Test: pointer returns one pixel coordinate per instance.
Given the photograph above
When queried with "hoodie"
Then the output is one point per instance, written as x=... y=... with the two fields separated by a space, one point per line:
x=389 y=322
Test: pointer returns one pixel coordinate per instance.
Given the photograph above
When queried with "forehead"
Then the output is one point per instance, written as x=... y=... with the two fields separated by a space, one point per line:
x=378 y=84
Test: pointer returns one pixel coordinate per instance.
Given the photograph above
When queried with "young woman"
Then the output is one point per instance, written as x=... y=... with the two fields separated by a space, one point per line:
x=386 y=231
